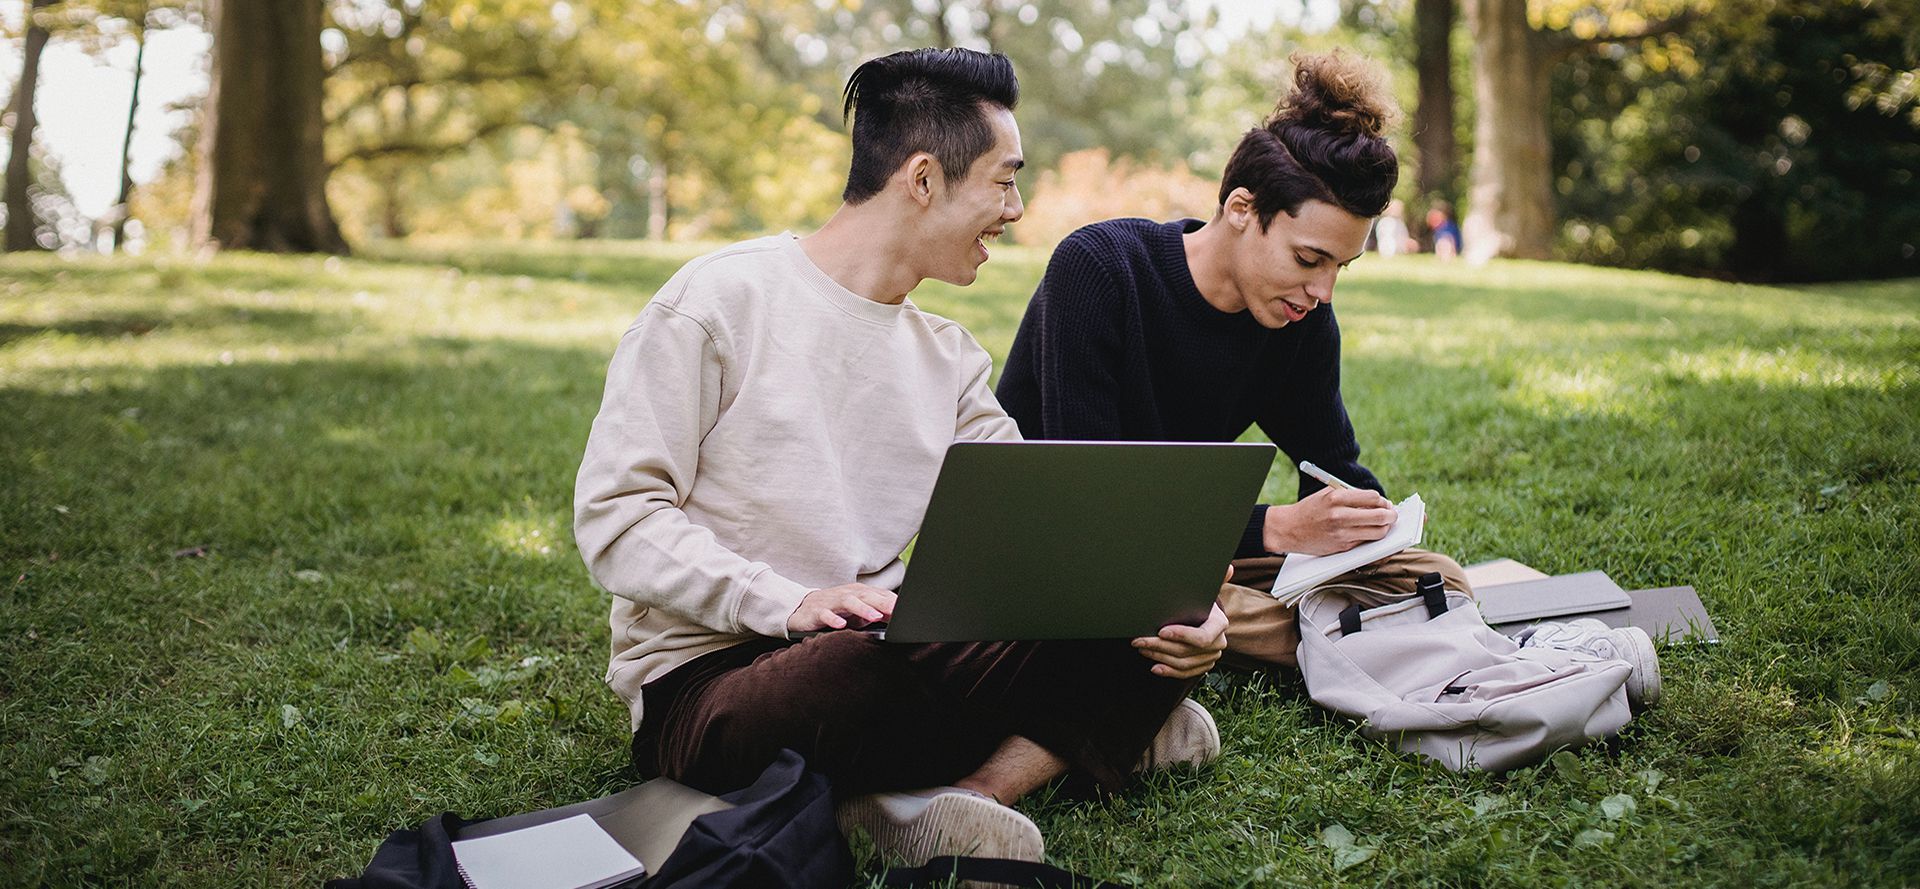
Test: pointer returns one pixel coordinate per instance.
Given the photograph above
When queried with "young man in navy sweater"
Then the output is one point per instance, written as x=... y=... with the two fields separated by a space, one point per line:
x=1183 y=331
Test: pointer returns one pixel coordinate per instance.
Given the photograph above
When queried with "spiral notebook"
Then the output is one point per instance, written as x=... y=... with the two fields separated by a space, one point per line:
x=572 y=853
x=1301 y=573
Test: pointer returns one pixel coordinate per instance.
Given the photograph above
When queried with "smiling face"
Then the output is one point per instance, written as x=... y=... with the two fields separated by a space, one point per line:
x=963 y=216
x=1287 y=270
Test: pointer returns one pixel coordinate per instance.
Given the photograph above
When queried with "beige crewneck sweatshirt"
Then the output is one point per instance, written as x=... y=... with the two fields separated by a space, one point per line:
x=765 y=432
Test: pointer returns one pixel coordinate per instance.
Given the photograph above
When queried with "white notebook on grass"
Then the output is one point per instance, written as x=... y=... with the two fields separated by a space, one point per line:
x=572 y=853
x=1301 y=572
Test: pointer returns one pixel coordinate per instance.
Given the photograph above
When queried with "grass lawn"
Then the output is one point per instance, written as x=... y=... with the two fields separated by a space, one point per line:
x=287 y=564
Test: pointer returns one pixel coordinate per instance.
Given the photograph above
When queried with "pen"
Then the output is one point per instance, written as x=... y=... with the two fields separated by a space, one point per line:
x=1324 y=476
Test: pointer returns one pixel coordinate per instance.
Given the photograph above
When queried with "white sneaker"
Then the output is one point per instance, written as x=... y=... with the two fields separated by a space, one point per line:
x=1590 y=636
x=1189 y=737
x=914 y=826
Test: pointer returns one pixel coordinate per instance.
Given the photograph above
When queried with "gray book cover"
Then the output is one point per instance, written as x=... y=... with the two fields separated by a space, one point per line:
x=1668 y=614
x=1567 y=594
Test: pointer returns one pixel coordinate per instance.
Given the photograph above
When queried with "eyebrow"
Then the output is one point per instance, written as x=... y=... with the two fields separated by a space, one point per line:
x=1014 y=165
x=1331 y=256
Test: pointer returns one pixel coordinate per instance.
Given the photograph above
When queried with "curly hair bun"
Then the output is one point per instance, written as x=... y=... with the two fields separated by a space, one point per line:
x=1340 y=92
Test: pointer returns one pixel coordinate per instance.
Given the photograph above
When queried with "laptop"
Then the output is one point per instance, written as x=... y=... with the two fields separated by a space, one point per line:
x=1075 y=540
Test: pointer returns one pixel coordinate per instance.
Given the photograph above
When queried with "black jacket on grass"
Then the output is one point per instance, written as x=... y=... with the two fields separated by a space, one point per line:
x=1119 y=345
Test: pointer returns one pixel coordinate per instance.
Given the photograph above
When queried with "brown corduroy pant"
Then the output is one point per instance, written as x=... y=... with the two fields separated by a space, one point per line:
x=877 y=716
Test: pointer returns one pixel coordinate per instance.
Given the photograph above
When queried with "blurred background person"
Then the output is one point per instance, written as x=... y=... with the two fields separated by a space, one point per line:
x=1390 y=235
x=1446 y=234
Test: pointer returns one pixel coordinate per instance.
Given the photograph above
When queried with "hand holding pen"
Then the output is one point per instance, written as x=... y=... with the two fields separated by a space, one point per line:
x=1333 y=519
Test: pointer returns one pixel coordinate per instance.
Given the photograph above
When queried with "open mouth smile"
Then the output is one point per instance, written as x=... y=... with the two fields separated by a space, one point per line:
x=985 y=236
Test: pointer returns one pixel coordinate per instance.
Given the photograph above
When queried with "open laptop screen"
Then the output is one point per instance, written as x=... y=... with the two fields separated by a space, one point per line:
x=1076 y=540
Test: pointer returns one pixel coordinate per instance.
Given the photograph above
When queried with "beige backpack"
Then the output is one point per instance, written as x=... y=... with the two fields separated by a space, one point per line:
x=1430 y=674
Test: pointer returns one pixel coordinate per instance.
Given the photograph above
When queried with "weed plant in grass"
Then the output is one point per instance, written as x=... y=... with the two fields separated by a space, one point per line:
x=287 y=564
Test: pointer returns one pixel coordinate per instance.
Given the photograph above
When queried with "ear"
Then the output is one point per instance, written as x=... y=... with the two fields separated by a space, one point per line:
x=923 y=176
x=1237 y=210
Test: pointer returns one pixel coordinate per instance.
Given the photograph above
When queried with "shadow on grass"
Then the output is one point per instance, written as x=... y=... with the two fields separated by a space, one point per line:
x=240 y=271
x=345 y=508
x=636 y=265
x=289 y=325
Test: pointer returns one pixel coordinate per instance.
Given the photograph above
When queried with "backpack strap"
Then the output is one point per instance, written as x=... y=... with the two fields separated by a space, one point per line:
x=1350 y=619
x=1028 y=874
x=1432 y=588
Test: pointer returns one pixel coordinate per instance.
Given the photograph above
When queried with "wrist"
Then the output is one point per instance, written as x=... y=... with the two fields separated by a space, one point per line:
x=1276 y=533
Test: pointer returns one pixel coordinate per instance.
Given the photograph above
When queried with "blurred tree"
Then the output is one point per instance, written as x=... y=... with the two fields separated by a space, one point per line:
x=1433 y=113
x=1421 y=33
x=678 y=124
x=264 y=166
x=1781 y=144
x=1115 y=74
x=22 y=223
x=410 y=81
x=1517 y=46
x=161 y=208
x=703 y=134
x=263 y=176
x=139 y=19
x=98 y=28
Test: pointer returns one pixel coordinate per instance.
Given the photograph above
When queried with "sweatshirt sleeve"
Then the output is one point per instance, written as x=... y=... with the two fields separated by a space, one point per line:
x=662 y=398
x=979 y=416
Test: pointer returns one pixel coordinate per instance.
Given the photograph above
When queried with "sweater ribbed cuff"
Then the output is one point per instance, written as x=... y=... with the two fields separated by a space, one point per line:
x=1253 y=541
x=770 y=599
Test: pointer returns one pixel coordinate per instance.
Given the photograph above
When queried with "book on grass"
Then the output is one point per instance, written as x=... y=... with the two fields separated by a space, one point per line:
x=1668 y=614
x=1550 y=597
x=1300 y=573
x=571 y=853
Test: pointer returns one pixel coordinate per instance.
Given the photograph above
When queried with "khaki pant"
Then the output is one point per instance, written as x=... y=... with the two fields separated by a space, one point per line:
x=1262 y=633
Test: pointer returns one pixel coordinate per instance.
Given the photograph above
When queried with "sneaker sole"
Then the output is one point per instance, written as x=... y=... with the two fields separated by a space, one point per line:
x=1639 y=653
x=950 y=824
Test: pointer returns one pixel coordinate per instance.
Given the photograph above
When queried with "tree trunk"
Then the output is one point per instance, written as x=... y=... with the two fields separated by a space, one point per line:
x=1510 y=204
x=21 y=221
x=1433 y=118
x=393 y=217
x=121 y=207
x=263 y=177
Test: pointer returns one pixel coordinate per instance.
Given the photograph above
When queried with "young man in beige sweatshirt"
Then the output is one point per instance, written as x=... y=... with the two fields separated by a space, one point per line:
x=772 y=427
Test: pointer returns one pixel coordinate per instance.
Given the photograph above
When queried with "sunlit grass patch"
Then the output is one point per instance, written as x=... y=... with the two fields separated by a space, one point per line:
x=285 y=563
x=1792 y=366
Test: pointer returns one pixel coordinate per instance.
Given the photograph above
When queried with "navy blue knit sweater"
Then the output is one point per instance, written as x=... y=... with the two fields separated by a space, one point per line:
x=1119 y=345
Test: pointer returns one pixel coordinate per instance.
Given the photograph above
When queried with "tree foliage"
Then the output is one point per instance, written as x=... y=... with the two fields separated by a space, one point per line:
x=1781 y=143
x=1750 y=138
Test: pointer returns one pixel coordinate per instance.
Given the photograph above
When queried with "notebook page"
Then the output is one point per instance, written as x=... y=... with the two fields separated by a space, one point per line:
x=1301 y=572
x=565 y=854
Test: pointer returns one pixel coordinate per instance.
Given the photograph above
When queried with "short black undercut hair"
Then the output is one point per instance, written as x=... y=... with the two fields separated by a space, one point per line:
x=923 y=100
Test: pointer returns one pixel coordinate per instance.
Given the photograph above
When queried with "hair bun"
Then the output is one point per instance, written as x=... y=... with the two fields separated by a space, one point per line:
x=1340 y=92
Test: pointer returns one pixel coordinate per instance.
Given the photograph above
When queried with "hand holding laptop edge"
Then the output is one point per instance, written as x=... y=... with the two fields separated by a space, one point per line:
x=1183 y=652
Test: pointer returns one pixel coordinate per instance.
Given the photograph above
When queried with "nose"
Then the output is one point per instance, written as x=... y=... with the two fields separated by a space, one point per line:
x=1320 y=286
x=1013 y=207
